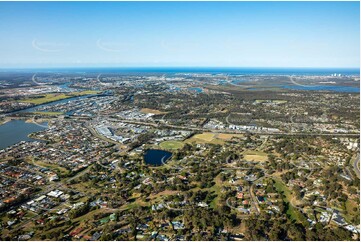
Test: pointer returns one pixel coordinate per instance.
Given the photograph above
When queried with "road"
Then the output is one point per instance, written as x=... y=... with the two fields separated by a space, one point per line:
x=79 y=174
x=251 y=193
x=227 y=119
x=253 y=197
x=34 y=122
x=51 y=187
x=93 y=132
x=263 y=144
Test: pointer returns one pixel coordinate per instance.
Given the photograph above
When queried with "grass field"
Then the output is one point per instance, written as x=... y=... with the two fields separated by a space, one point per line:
x=350 y=213
x=87 y=92
x=153 y=111
x=217 y=190
x=171 y=145
x=204 y=138
x=279 y=101
x=58 y=169
x=228 y=136
x=292 y=211
x=252 y=155
x=162 y=194
x=46 y=98
x=51 y=97
x=212 y=138
x=48 y=113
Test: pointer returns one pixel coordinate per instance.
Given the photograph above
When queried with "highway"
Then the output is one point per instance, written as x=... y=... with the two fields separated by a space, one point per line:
x=227 y=130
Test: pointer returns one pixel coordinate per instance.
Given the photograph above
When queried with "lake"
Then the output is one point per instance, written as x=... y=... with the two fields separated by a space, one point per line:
x=156 y=157
x=240 y=81
x=15 y=131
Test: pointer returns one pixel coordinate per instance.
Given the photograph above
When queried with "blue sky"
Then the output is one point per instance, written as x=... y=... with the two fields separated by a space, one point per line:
x=233 y=34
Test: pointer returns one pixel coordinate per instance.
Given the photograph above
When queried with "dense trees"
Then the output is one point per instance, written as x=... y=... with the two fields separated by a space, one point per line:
x=281 y=228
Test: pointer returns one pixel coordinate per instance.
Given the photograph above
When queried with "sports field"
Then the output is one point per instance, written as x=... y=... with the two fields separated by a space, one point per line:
x=171 y=145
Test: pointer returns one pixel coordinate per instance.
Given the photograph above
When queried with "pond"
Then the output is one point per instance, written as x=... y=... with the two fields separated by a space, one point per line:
x=196 y=89
x=156 y=157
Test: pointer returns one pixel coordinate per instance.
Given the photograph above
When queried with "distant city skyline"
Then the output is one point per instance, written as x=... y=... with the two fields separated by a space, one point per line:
x=180 y=34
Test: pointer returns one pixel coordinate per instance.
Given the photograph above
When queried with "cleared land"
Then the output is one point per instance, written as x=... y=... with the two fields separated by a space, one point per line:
x=171 y=145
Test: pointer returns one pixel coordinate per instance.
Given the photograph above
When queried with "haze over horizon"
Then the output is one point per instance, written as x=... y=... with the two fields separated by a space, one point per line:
x=180 y=34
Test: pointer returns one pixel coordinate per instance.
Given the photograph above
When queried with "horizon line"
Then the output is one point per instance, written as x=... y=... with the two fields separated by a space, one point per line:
x=165 y=67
